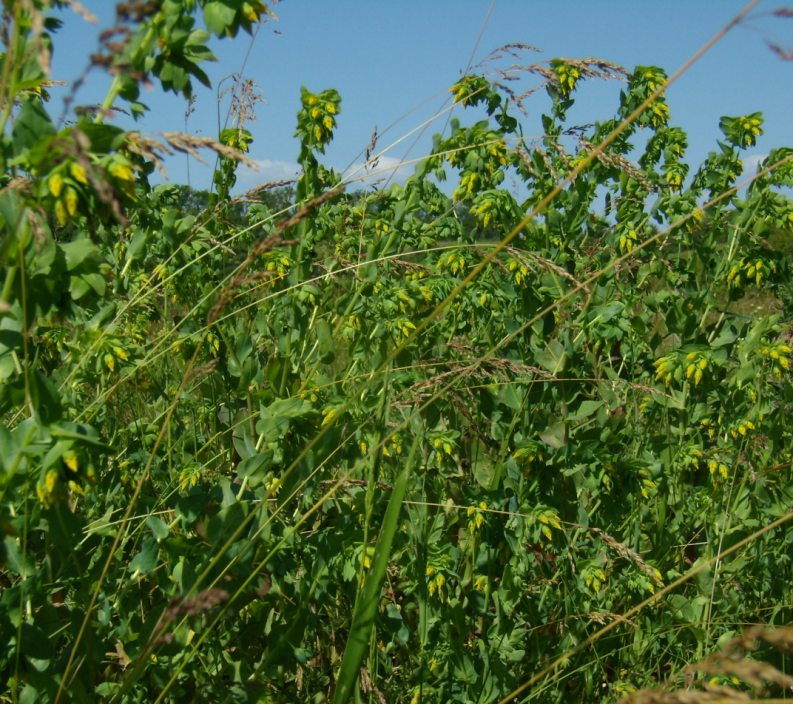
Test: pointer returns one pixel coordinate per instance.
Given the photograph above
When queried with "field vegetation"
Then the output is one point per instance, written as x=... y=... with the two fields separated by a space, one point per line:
x=518 y=428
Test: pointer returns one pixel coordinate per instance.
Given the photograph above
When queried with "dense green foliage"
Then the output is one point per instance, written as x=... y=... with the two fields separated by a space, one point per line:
x=252 y=450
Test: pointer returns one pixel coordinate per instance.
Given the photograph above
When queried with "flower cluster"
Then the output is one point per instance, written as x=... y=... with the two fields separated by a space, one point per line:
x=717 y=468
x=628 y=241
x=47 y=488
x=63 y=187
x=549 y=519
x=475 y=517
x=189 y=476
x=498 y=150
x=674 y=173
x=660 y=115
x=468 y=185
x=483 y=212
x=594 y=577
x=742 y=428
x=404 y=326
x=393 y=446
x=652 y=77
x=519 y=271
x=645 y=81
x=66 y=185
x=452 y=261
x=470 y=90
x=277 y=263
x=436 y=582
x=381 y=227
x=443 y=444
x=750 y=130
x=778 y=353
x=744 y=130
x=749 y=271
x=680 y=364
x=317 y=117
x=566 y=76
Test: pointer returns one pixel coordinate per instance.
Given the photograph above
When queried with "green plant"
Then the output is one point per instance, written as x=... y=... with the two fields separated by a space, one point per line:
x=283 y=451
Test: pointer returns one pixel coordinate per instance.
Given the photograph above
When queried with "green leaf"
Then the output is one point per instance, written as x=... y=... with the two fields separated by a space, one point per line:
x=222 y=525
x=32 y=125
x=366 y=607
x=553 y=358
x=555 y=435
x=327 y=349
x=79 y=251
x=8 y=449
x=34 y=643
x=87 y=283
x=15 y=559
x=253 y=468
x=511 y=396
x=158 y=528
x=218 y=17
x=104 y=137
x=275 y=418
x=102 y=525
x=76 y=431
x=145 y=561
x=586 y=409
x=45 y=397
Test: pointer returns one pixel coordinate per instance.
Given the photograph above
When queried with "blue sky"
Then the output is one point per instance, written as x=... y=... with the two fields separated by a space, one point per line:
x=393 y=63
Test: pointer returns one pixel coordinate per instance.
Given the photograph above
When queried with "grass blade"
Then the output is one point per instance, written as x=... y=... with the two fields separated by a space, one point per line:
x=366 y=607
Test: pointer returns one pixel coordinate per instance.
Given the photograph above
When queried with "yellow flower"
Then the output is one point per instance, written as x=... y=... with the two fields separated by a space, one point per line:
x=71 y=201
x=60 y=213
x=121 y=171
x=250 y=13
x=55 y=184
x=328 y=415
x=78 y=172
x=46 y=489
x=70 y=460
x=272 y=486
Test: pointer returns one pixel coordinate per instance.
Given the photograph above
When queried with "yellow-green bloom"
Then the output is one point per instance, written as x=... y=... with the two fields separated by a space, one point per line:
x=78 y=172
x=121 y=171
x=55 y=184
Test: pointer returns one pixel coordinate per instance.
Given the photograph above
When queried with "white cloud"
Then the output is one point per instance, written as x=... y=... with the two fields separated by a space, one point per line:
x=269 y=170
x=387 y=169
x=751 y=162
